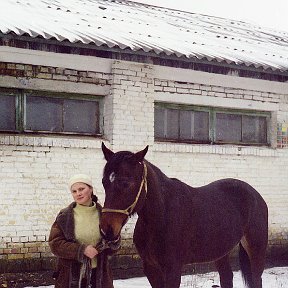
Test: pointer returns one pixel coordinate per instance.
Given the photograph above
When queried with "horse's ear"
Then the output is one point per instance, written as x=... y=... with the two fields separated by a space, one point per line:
x=107 y=152
x=139 y=156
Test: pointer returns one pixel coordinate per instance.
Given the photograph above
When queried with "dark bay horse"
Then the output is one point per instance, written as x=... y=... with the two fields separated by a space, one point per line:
x=178 y=224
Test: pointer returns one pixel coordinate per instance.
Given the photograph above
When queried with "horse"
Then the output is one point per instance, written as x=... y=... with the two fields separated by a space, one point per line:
x=178 y=224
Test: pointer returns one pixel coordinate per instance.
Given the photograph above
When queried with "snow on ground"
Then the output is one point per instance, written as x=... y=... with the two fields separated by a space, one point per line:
x=276 y=277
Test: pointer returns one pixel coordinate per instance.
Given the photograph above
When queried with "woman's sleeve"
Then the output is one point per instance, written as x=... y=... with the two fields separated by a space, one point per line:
x=63 y=248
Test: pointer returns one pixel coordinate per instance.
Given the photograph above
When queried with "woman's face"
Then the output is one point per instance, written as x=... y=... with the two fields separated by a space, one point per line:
x=82 y=193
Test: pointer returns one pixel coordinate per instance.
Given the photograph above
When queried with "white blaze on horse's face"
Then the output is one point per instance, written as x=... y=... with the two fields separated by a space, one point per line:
x=112 y=177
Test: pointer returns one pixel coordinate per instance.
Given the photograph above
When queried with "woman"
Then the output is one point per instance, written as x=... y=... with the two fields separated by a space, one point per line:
x=73 y=239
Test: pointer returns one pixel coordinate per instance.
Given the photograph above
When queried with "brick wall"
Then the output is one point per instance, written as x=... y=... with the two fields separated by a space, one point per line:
x=52 y=73
x=129 y=115
x=187 y=88
x=34 y=169
x=162 y=85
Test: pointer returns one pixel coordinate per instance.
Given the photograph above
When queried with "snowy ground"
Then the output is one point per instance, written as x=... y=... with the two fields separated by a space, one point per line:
x=276 y=277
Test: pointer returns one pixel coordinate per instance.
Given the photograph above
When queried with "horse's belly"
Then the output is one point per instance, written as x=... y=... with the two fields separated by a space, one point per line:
x=212 y=249
x=213 y=233
x=209 y=256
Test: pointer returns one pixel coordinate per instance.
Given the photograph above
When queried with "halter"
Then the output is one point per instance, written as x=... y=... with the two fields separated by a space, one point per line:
x=129 y=210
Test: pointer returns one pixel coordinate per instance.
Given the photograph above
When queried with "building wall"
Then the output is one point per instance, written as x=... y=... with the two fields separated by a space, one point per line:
x=34 y=169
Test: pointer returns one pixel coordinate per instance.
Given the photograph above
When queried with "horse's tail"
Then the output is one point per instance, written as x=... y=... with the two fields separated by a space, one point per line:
x=245 y=267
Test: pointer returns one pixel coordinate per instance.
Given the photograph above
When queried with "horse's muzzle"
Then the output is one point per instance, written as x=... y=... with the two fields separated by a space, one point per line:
x=111 y=225
x=108 y=235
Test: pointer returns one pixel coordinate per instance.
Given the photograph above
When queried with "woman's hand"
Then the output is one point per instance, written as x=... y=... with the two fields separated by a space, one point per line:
x=90 y=251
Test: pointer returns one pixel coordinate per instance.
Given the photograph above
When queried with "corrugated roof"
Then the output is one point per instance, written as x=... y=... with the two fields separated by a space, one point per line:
x=125 y=24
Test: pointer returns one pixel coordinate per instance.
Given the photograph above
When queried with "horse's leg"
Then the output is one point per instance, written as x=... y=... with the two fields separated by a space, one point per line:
x=171 y=278
x=173 y=275
x=148 y=249
x=225 y=272
x=154 y=274
x=255 y=243
x=256 y=251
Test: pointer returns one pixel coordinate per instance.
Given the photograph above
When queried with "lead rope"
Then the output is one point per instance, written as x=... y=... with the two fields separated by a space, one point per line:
x=85 y=272
x=86 y=268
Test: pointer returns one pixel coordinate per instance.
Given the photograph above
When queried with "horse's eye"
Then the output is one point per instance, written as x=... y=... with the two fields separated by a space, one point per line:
x=112 y=177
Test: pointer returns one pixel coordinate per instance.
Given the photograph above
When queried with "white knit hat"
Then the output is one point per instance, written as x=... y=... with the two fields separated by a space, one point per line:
x=82 y=178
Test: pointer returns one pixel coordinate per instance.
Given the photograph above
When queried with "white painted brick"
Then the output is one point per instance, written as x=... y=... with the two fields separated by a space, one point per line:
x=37 y=168
x=205 y=88
x=249 y=97
x=218 y=89
x=219 y=94
x=141 y=74
x=24 y=239
x=15 y=239
x=258 y=98
x=169 y=89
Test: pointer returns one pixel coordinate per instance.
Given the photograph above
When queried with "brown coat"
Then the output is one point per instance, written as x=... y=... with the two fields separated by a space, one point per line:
x=70 y=253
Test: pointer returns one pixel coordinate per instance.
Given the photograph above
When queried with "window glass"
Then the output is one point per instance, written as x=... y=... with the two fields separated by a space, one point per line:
x=228 y=127
x=201 y=126
x=81 y=116
x=159 y=120
x=254 y=129
x=186 y=125
x=172 y=124
x=43 y=114
x=194 y=125
x=7 y=112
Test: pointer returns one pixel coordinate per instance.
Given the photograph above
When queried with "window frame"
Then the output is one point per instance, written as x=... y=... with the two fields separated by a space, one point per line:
x=212 y=123
x=20 y=110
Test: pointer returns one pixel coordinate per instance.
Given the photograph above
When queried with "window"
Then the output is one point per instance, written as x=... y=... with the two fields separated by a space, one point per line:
x=181 y=125
x=235 y=128
x=210 y=125
x=42 y=112
x=7 y=111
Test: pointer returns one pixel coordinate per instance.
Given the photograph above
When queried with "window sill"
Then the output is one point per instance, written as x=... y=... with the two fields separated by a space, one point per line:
x=215 y=149
x=65 y=141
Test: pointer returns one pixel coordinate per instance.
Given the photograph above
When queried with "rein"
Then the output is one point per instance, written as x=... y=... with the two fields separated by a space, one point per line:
x=129 y=210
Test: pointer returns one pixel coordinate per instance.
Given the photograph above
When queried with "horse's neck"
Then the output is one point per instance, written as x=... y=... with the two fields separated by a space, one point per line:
x=154 y=206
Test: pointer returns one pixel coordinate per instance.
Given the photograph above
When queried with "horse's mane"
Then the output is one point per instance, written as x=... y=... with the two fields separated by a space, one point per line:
x=121 y=156
x=157 y=171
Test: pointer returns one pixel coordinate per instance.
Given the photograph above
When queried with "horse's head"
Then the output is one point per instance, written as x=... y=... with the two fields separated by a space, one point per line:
x=124 y=181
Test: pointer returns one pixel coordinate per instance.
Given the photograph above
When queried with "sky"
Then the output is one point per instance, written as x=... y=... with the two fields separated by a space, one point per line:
x=267 y=13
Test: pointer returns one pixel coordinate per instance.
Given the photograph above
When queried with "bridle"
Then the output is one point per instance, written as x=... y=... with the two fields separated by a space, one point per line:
x=129 y=210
